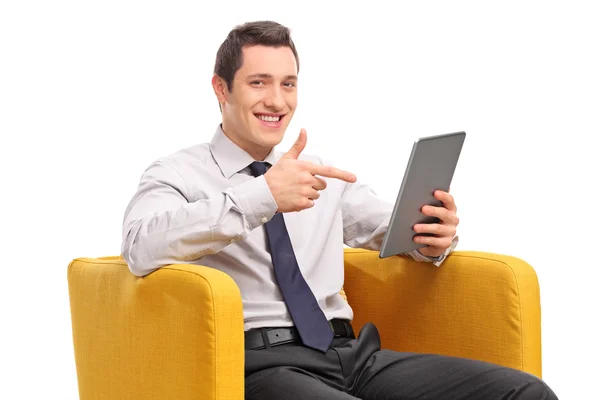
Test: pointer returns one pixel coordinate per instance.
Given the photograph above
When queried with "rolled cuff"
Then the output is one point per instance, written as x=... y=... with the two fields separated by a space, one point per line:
x=256 y=201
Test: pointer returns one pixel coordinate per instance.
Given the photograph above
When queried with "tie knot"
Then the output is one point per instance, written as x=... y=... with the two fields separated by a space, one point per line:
x=258 y=168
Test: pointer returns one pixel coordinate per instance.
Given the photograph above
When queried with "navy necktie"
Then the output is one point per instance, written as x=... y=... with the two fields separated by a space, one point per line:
x=309 y=319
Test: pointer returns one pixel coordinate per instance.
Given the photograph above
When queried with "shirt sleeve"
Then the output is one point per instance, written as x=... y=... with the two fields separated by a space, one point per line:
x=366 y=218
x=437 y=261
x=162 y=227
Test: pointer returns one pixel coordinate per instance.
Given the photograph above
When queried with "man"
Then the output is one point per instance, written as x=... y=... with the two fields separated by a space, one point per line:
x=276 y=223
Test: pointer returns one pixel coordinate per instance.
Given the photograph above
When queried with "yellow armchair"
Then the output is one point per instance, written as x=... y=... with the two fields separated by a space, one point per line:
x=178 y=332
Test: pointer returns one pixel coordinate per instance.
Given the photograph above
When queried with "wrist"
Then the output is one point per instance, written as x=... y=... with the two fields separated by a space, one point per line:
x=426 y=252
x=256 y=201
x=272 y=186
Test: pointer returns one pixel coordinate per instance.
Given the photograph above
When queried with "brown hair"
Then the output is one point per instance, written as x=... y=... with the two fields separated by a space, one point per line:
x=265 y=33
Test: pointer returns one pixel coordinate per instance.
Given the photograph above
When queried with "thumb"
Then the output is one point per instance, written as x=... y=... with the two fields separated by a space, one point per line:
x=298 y=146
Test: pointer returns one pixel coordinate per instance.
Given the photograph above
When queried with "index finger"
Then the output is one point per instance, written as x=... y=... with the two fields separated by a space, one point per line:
x=331 y=172
x=447 y=199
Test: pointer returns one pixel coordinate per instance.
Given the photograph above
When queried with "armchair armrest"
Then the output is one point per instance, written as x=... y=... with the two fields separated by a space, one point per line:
x=176 y=333
x=476 y=305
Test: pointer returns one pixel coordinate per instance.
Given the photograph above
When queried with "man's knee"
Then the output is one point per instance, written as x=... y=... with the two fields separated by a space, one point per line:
x=533 y=388
x=543 y=392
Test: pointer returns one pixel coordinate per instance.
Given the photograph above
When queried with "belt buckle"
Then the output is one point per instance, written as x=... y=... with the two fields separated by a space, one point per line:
x=280 y=336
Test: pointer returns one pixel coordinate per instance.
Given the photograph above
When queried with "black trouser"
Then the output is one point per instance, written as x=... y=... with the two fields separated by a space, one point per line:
x=359 y=369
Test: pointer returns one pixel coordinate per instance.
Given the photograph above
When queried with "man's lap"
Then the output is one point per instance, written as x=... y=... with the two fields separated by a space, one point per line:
x=291 y=383
x=395 y=375
x=360 y=369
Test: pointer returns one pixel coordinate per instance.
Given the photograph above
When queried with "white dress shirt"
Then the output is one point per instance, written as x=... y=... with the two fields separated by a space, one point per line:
x=201 y=205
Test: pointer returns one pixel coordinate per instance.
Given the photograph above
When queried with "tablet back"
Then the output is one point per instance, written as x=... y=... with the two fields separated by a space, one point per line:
x=430 y=167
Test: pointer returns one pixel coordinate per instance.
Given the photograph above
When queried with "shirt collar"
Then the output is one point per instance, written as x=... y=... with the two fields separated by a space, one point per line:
x=231 y=158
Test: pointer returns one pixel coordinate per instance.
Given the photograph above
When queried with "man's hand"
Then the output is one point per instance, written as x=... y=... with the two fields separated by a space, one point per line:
x=293 y=182
x=444 y=231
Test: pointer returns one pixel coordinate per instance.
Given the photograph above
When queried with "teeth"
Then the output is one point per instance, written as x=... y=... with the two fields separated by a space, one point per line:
x=268 y=118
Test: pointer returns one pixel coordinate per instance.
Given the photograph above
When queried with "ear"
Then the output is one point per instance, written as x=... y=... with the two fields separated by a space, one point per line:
x=220 y=88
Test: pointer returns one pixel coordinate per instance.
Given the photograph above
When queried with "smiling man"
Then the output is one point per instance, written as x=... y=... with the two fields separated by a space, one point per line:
x=276 y=223
x=254 y=117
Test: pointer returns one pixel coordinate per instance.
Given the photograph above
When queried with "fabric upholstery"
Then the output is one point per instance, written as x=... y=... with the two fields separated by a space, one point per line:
x=178 y=333
x=174 y=334
x=476 y=305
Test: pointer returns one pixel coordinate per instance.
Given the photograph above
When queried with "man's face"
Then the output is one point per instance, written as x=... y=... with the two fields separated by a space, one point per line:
x=258 y=109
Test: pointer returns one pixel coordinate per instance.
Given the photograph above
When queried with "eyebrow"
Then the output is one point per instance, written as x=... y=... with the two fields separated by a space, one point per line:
x=269 y=76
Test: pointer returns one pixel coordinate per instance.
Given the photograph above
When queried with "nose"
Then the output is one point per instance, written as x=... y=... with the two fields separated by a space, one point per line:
x=274 y=99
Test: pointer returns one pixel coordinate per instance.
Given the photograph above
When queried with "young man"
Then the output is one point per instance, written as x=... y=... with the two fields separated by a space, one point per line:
x=276 y=223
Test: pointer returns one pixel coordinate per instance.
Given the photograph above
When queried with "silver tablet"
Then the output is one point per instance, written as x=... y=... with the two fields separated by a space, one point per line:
x=430 y=167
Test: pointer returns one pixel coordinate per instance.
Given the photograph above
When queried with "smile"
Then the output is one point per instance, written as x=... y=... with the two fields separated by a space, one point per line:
x=270 y=120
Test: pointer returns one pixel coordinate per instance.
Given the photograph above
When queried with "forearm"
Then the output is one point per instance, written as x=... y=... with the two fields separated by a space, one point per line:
x=366 y=220
x=162 y=228
x=365 y=217
x=367 y=234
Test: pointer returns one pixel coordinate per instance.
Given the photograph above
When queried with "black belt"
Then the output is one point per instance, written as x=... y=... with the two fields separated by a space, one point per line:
x=261 y=338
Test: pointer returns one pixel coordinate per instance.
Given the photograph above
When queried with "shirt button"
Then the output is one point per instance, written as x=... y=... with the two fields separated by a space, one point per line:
x=264 y=220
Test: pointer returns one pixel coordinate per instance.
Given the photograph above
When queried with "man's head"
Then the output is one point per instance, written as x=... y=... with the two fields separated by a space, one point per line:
x=255 y=80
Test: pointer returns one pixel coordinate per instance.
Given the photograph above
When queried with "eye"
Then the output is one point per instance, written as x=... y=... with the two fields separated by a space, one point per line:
x=257 y=83
x=289 y=85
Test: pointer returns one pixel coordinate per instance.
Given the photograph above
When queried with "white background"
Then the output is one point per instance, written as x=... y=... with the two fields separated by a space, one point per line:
x=92 y=92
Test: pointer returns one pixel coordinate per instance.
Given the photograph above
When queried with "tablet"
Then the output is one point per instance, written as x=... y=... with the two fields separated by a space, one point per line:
x=430 y=167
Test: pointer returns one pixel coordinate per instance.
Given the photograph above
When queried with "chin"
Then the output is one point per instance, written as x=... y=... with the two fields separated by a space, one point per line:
x=270 y=136
x=271 y=139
